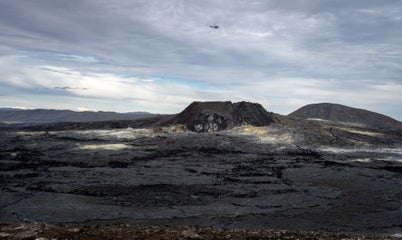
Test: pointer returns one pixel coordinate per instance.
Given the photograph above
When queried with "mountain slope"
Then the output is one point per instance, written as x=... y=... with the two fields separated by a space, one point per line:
x=341 y=113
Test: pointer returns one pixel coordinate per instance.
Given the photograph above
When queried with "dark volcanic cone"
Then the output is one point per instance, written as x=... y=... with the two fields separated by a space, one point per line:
x=218 y=116
x=341 y=113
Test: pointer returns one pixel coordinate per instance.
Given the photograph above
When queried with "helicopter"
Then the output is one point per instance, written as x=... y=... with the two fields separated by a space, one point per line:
x=214 y=26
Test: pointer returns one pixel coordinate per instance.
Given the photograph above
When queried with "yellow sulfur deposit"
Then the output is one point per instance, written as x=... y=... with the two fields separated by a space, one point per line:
x=252 y=130
x=367 y=133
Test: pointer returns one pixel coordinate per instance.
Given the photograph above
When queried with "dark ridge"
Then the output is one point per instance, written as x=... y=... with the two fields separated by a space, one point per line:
x=150 y=122
x=218 y=116
x=35 y=116
x=345 y=114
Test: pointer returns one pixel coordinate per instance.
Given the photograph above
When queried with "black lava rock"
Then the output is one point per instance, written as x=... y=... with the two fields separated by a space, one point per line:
x=219 y=116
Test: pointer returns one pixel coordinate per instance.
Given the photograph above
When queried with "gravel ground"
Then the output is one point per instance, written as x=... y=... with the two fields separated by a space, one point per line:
x=126 y=231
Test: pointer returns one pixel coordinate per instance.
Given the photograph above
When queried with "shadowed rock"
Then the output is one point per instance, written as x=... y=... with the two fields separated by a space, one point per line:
x=218 y=116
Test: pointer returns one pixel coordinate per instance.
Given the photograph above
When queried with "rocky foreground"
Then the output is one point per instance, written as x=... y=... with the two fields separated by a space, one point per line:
x=348 y=179
x=40 y=231
x=307 y=177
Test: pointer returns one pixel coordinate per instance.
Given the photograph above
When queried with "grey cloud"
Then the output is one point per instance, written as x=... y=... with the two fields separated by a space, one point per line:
x=69 y=88
x=145 y=32
x=175 y=33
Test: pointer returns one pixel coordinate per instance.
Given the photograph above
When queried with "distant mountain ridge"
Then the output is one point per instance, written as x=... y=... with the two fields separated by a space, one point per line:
x=341 y=113
x=198 y=117
x=14 y=115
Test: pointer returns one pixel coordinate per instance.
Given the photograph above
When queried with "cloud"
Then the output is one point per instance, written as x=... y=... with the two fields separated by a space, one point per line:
x=18 y=107
x=77 y=58
x=55 y=81
x=84 y=109
x=68 y=88
x=173 y=38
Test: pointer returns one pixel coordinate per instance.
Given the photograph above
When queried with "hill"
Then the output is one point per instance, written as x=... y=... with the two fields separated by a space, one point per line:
x=218 y=116
x=345 y=114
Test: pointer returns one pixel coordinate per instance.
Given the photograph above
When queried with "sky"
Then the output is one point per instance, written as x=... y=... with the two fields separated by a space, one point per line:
x=161 y=55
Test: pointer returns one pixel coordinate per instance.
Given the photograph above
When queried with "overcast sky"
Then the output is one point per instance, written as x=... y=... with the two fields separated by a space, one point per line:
x=159 y=56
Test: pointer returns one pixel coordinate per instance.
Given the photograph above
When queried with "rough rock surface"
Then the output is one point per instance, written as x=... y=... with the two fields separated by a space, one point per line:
x=218 y=116
x=249 y=177
x=133 y=231
x=341 y=113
